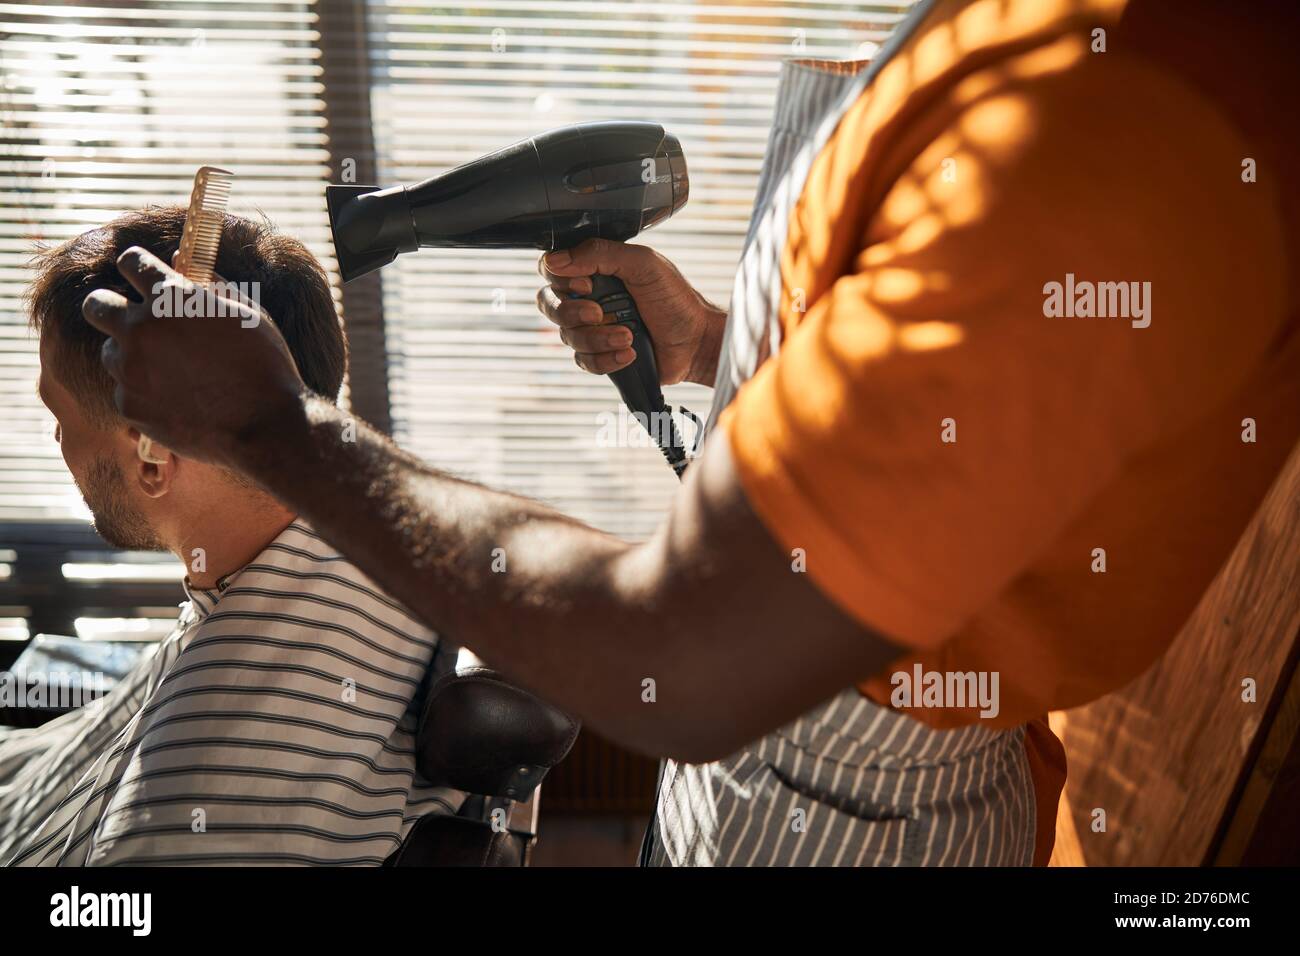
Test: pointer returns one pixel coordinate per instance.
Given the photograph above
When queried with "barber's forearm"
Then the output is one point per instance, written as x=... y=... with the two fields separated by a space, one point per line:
x=558 y=605
x=704 y=368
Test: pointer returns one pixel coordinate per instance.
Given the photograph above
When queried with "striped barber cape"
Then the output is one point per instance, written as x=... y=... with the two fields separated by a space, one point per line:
x=274 y=725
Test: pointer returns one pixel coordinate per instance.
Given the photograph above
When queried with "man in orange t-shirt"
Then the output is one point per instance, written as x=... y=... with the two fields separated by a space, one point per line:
x=1011 y=292
x=1005 y=417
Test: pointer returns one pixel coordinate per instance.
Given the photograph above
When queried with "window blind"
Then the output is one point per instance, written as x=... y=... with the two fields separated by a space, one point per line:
x=479 y=382
x=110 y=106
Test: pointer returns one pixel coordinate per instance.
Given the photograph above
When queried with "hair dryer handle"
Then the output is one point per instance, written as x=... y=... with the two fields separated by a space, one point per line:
x=638 y=383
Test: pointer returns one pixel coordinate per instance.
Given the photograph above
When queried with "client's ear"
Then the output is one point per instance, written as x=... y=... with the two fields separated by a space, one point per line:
x=153 y=474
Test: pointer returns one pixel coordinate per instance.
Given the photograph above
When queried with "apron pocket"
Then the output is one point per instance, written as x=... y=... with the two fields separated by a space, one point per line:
x=716 y=817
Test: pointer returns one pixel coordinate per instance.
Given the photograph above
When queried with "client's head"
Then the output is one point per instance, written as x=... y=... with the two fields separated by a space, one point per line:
x=139 y=504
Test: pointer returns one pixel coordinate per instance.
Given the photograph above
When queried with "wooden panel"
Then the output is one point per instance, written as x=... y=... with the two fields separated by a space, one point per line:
x=1263 y=829
x=600 y=777
x=1181 y=765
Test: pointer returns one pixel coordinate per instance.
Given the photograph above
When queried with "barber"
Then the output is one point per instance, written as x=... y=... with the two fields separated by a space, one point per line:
x=913 y=466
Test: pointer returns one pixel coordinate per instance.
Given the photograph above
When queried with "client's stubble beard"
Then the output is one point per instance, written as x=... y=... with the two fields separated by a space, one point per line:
x=116 y=520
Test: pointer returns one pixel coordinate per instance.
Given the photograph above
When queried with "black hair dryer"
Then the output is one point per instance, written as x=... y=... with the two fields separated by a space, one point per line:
x=592 y=180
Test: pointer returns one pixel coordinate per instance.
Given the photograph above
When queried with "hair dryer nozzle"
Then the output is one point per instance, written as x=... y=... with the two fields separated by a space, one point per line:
x=370 y=227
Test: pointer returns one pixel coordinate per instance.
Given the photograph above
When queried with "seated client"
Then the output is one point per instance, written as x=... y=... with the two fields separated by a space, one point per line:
x=275 y=724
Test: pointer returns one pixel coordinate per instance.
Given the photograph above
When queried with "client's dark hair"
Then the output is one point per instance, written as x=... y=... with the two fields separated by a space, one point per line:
x=292 y=288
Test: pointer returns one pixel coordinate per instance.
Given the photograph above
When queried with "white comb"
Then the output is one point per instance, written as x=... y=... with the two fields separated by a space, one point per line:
x=196 y=259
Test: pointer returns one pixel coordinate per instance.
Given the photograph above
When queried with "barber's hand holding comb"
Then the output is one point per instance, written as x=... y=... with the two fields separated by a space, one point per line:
x=200 y=385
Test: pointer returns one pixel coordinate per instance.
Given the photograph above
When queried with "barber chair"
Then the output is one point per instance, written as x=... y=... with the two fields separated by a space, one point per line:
x=495 y=742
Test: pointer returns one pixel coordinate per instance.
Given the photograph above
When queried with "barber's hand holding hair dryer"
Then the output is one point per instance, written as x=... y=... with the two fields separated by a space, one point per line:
x=590 y=186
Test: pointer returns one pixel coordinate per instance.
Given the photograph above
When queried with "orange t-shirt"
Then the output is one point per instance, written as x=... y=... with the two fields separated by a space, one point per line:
x=956 y=444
